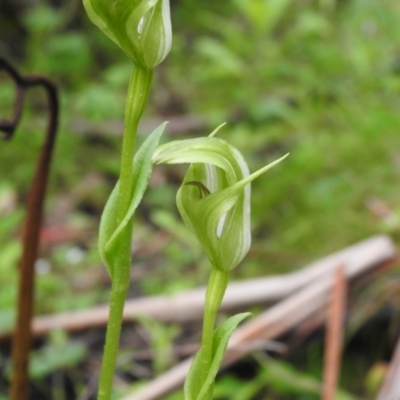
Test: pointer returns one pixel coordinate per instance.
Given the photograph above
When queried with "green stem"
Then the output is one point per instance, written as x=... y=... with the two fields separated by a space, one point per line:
x=138 y=91
x=217 y=284
x=117 y=300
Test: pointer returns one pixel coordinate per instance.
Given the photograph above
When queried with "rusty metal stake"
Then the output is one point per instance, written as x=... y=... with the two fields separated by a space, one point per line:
x=22 y=333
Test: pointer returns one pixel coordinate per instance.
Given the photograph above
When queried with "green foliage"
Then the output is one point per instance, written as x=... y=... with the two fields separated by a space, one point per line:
x=110 y=227
x=68 y=54
x=319 y=79
x=56 y=356
x=160 y=342
x=275 y=377
x=284 y=378
x=60 y=353
x=195 y=389
x=262 y=15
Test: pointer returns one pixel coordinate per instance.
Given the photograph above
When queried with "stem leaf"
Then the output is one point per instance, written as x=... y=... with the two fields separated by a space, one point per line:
x=195 y=390
x=110 y=230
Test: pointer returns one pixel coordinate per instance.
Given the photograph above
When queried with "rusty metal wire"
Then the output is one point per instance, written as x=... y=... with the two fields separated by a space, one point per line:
x=22 y=333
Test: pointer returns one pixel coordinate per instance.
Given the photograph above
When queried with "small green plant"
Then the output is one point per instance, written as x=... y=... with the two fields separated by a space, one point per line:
x=214 y=202
x=143 y=30
x=214 y=199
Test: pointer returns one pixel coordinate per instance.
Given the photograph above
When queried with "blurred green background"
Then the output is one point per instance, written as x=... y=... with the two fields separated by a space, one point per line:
x=318 y=79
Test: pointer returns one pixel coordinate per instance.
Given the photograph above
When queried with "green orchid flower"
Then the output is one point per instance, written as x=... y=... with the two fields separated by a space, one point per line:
x=142 y=28
x=214 y=199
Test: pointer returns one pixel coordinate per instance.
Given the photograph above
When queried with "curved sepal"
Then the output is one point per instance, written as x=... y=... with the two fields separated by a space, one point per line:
x=220 y=219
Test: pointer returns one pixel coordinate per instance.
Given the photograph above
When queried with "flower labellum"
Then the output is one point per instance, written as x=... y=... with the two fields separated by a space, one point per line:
x=214 y=199
x=142 y=28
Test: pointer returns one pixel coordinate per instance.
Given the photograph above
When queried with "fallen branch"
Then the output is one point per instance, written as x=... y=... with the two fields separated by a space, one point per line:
x=275 y=321
x=188 y=306
x=334 y=335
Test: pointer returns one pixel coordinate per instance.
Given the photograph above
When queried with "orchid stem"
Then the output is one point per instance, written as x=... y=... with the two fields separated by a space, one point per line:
x=138 y=92
x=216 y=288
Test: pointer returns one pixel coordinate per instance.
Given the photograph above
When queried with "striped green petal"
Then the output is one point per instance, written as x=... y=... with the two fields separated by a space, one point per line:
x=142 y=28
x=214 y=199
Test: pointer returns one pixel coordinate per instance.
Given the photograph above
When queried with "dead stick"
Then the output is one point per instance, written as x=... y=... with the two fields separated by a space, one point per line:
x=334 y=335
x=188 y=306
x=274 y=322
x=22 y=333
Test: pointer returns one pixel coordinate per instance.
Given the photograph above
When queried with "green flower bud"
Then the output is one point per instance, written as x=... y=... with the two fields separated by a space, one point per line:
x=214 y=199
x=142 y=28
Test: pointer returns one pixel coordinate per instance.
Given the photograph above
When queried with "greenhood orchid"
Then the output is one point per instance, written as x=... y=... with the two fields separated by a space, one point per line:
x=214 y=199
x=142 y=28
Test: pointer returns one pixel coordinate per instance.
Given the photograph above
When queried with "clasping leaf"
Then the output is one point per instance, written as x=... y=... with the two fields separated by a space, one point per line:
x=110 y=239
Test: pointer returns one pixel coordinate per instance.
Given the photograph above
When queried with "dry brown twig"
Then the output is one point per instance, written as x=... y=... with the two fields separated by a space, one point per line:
x=334 y=334
x=188 y=306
